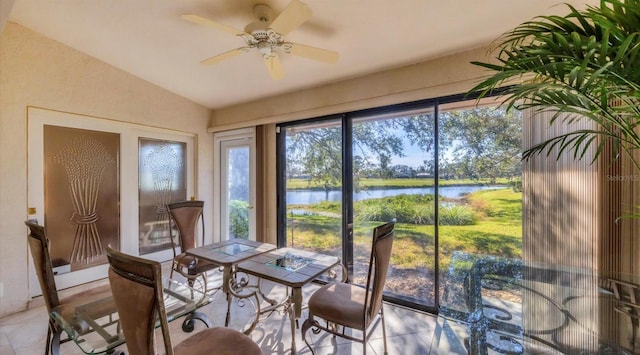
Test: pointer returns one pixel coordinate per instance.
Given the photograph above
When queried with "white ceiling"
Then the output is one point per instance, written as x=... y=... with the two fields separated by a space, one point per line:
x=148 y=39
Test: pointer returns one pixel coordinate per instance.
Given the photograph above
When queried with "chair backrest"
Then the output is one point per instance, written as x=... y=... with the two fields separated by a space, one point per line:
x=626 y=292
x=39 y=246
x=136 y=284
x=186 y=214
x=378 y=265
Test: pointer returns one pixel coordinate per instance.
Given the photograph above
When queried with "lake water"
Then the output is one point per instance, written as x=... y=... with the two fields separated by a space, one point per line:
x=307 y=197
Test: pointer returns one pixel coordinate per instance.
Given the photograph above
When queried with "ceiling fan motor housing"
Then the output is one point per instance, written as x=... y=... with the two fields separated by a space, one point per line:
x=260 y=29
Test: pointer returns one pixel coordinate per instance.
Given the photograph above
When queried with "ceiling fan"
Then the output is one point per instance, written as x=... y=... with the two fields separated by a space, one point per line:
x=267 y=35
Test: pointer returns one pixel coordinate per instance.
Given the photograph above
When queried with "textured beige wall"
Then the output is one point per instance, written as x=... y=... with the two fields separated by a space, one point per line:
x=435 y=78
x=37 y=71
x=5 y=9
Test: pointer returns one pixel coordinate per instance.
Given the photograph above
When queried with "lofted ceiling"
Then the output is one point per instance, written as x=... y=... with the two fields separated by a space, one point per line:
x=148 y=38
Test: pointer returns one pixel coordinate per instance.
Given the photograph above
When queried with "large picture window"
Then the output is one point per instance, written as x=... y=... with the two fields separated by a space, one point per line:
x=447 y=171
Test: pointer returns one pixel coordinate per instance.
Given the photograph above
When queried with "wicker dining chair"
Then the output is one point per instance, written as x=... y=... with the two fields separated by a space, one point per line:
x=39 y=247
x=342 y=305
x=186 y=215
x=138 y=294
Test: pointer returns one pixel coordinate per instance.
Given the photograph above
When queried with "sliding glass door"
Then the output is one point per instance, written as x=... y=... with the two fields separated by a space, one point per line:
x=447 y=171
x=313 y=185
x=393 y=178
x=333 y=206
x=480 y=205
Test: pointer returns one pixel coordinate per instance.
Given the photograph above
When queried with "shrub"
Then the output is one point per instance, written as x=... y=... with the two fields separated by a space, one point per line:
x=457 y=215
x=239 y=219
x=516 y=185
x=413 y=209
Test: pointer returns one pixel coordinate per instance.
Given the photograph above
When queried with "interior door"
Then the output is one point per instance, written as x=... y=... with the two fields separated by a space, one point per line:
x=237 y=187
x=83 y=157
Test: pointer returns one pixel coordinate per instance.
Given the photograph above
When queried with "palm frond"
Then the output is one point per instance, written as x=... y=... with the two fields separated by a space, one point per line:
x=584 y=65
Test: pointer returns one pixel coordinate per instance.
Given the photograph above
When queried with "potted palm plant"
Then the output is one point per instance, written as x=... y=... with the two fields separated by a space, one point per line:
x=581 y=66
x=584 y=65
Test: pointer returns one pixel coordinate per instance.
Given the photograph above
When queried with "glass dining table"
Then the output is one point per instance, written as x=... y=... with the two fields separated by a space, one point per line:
x=510 y=306
x=95 y=328
x=290 y=267
x=228 y=254
x=293 y=268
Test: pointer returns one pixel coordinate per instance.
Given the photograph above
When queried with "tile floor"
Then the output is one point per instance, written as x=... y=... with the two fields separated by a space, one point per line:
x=408 y=331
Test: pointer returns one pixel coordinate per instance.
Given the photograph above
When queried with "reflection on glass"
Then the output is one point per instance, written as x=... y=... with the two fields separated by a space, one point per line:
x=503 y=305
x=480 y=147
x=162 y=180
x=393 y=178
x=238 y=192
x=314 y=167
x=290 y=262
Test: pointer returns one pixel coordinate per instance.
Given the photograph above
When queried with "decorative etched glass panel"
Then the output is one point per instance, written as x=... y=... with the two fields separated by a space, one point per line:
x=81 y=195
x=162 y=180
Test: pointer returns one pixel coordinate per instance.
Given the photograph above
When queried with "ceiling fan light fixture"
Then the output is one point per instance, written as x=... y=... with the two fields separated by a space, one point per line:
x=265 y=48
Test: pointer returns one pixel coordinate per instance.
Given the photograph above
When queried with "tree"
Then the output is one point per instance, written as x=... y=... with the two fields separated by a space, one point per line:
x=239 y=175
x=318 y=153
x=403 y=171
x=238 y=219
x=585 y=65
x=376 y=142
x=484 y=142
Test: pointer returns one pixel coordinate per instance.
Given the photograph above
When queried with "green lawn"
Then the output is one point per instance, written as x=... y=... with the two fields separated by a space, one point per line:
x=497 y=231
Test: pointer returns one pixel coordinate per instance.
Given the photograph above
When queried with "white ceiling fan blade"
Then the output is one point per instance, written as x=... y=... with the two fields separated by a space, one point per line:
x=223 y=56
x=291 y=17
x=274 y=66
x=314 y=53
x=209 y=23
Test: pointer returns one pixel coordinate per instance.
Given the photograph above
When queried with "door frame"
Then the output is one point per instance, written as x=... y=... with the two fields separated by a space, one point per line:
x=247 y=135
x=130 y=133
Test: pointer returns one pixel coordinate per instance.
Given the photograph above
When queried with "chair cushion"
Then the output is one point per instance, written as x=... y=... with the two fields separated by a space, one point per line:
x=219 y=341
x=68 y=304
x=340 y=303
